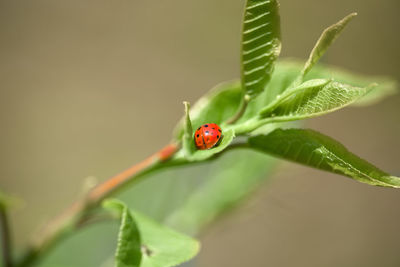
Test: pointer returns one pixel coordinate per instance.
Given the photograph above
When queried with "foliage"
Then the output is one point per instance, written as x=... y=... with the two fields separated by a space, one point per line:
x=148 y=243
x=261 y=44
x=316 y=150
x=128 y=252
x=254 y=113
x=294 y=92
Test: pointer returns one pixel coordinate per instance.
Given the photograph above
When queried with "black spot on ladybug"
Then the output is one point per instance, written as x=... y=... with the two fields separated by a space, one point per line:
x=217 y=136
x=197 y=135
x=213 y=128
x=206 y=125
x=198 y=128
x=219 y=130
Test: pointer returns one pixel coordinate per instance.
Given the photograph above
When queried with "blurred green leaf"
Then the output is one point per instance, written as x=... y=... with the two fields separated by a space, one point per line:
x=316 y=150
x=157 y=245
x=327 y=37
x=163 y=247
x=90 y=246
x=377 y=93
x=128 y=253
x=312 y=98
x=203 y=189
x=229 y=179
x=261 y=44
x=218 y=105
x=199 y=155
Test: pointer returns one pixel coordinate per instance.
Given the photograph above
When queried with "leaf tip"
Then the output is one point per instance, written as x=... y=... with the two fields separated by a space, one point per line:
x=349 y=17
x=187 y=105
x=112 y=204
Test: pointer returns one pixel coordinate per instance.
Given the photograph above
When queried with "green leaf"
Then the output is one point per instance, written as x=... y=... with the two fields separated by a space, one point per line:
x=188 y=145
x=312 y=98
x=284 y=74
x=159 y=245
x=162 y=246
x=222 y=102
x=229 y=180
x=327 y=37
x=199 y=155
x=287 y=70
x=386 y=86
x=128 y=252
x=261 y=44
x=218 y=105
x=316 y=150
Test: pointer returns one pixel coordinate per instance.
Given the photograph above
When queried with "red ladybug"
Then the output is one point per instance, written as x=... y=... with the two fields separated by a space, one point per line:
x=207 y=136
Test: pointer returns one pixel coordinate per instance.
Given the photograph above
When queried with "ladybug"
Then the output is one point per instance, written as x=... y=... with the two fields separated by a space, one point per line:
x=207 y=136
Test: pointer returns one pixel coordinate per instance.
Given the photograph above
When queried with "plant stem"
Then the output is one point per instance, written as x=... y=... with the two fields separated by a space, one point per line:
x=5 y=238
x=255 y=123
x=240 y=112
x=78 y=213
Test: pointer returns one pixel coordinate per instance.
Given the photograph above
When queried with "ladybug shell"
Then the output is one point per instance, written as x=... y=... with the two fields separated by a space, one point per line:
x=207 y=136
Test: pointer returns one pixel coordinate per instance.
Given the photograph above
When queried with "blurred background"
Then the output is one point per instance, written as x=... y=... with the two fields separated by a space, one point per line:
x=88 y=88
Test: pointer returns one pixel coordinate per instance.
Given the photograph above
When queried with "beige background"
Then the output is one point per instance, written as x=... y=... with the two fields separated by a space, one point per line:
x=89 y=87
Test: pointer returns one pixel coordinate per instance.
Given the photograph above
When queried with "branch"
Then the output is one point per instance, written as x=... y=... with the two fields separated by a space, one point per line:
x=5 y=238
x=81 y=213
x=76 y=215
